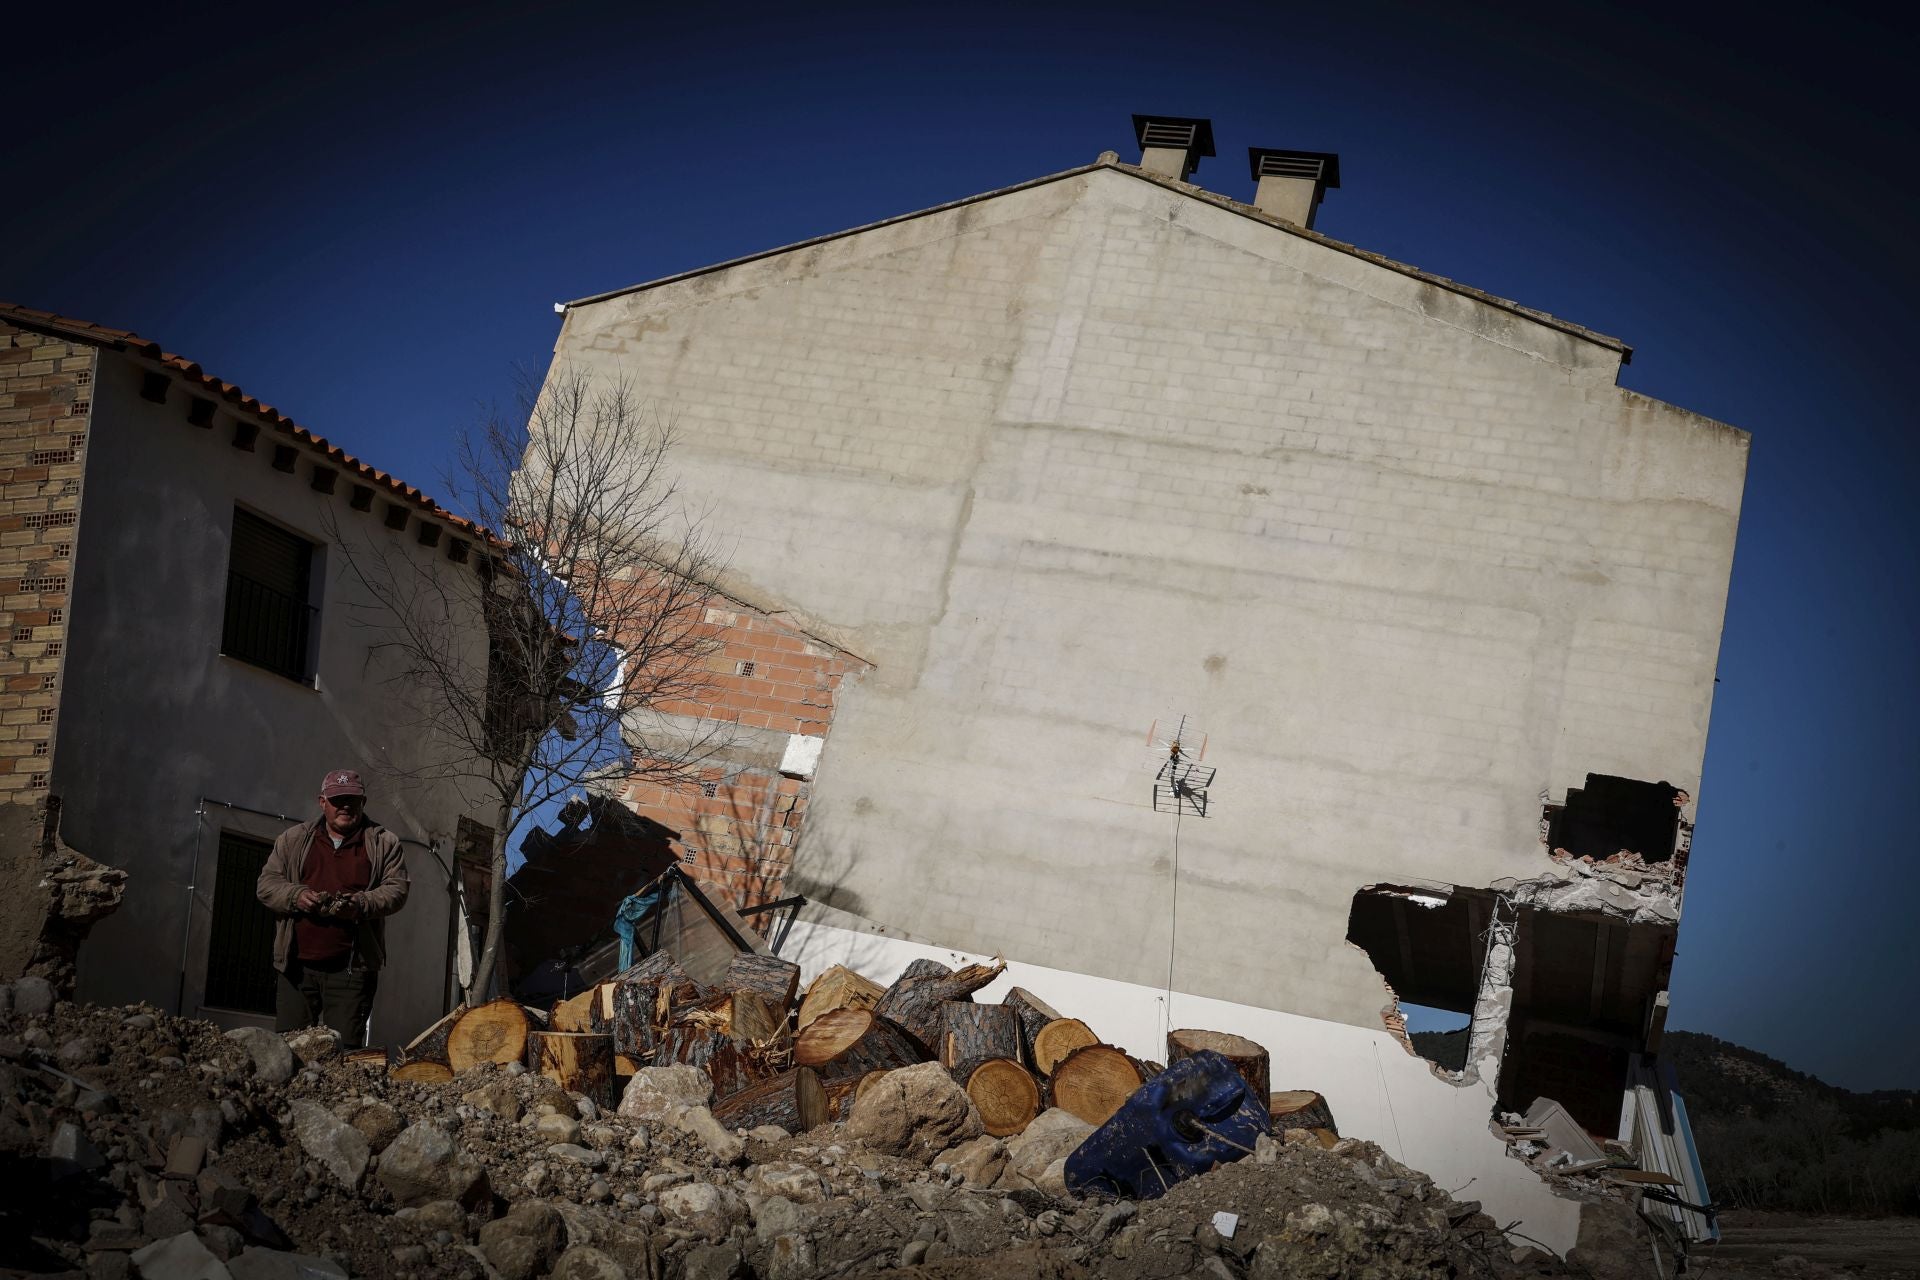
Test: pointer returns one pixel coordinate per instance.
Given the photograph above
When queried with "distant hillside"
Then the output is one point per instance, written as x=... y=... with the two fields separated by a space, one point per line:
x=1722 y=1079
x=1772 y=1137
x=1443 y=1048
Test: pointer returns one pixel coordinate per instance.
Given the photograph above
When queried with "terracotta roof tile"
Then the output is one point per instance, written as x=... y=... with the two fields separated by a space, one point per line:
x=123 y=340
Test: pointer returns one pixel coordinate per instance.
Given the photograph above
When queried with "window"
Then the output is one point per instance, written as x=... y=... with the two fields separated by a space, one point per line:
x=270 y=620
x=240 y=943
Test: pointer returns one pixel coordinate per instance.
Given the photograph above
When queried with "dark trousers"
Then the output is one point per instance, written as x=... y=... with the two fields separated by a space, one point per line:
x=334 y=996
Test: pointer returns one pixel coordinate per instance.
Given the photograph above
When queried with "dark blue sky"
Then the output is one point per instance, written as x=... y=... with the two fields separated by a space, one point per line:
x=365 y=216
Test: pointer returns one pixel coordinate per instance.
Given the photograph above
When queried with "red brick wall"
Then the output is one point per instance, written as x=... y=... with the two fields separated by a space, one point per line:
x=45 y=409
x=737 y=830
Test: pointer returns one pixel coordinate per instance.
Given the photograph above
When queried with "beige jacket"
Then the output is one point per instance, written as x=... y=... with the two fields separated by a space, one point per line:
x=279 y=888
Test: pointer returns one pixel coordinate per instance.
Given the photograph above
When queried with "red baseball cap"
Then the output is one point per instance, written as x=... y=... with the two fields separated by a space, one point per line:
x=341 y=782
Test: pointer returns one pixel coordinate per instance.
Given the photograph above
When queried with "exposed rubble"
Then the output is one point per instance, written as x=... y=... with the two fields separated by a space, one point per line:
x=142 y=1144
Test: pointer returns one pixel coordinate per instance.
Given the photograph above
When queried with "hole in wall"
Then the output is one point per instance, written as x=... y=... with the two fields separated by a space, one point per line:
x=1613 y=815
x=1428 y=945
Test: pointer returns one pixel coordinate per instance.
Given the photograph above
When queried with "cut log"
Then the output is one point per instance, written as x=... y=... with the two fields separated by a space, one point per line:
x=575 y=1014
x=914 y=1001
x=731 y=1063
x=852 y=1042
x=422 y=1071
x=1006 y=1095
x=841 y=1094
x=1033 y=1013
x=492 y=1032
x=793 y=1100
x=624 y=1065
x=1248 y=1058
x=923 y=969
x=1093 y=1081
x=769 y=977
x=578 y=1061
x=661 y=964
x=381 y=1058
x=1301 y=1109
x=742 y=1014
x=838 y=988
x=970 y=1033
x=643 y=1008
x=431 y=1045
x=1053 y=1042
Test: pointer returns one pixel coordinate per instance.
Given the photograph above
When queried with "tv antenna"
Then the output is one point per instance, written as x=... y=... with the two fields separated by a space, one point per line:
x=1180 y=780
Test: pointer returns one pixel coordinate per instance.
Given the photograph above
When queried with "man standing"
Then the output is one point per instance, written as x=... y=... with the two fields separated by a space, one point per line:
x=331 y=882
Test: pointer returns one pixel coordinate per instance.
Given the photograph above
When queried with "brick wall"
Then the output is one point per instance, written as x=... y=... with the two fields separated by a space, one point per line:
x=769 y=680
x=45 y=409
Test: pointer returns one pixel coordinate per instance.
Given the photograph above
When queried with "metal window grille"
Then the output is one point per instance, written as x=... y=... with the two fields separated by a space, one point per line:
x=240 y=941
x=268 y=620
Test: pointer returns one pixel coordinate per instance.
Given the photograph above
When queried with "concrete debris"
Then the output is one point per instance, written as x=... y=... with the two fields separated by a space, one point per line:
x=338 y=1171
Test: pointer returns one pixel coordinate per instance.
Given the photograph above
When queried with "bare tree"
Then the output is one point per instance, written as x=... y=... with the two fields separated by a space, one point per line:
x=577 y=650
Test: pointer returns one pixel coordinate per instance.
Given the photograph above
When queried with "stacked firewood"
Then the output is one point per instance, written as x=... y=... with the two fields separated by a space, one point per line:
x=797 y=1064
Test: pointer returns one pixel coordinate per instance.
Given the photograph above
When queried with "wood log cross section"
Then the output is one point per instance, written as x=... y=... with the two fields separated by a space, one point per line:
x=1248 y=1058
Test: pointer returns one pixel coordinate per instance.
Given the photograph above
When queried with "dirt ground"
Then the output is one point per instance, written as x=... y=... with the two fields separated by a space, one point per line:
x=1777 y=1245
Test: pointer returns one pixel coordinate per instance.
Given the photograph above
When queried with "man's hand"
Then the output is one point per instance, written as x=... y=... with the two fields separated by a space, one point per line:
x=307 y=900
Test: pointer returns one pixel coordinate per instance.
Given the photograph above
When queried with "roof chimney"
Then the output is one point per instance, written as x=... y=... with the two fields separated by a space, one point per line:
x=1292 y=182
x=1172 y=145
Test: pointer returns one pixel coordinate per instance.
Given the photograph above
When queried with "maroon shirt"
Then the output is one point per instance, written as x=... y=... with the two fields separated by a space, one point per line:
x=330 y=870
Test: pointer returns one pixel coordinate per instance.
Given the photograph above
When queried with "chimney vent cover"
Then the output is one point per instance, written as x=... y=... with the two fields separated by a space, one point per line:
x=1190 y=134
x=1322 y=167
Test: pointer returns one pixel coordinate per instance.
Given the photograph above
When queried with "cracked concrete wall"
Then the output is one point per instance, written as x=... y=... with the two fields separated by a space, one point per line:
x=1072 y=457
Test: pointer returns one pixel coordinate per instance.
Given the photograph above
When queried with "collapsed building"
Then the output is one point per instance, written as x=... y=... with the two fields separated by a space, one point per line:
x=1049 y=503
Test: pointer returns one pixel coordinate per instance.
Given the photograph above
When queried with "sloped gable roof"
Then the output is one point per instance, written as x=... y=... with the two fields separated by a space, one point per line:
x=122 y=340
x=1109 y=161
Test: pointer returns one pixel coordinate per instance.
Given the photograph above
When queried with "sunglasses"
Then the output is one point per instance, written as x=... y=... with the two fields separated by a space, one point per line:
x=343 y=802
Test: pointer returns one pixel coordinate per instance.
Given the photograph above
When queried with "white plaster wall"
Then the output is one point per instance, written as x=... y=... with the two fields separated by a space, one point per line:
x=1375 y=1088
x=153 y=717
x=1067 y=460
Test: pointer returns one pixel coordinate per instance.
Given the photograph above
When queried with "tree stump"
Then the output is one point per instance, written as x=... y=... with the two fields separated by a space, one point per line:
x=1094 y=1081
x=1248 y=1058
x=838 y=988
x=578 y=1061
x=1060 y=1037
x=853 y=1042
x=492 y=1032
x=914 y=1002
x=1301 y=1109
x=971 y=1033
x=769 y=977
x=793 y=1100
x=1006 y=1095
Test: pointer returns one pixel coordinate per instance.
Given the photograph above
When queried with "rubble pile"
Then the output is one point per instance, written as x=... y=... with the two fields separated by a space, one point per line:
x=138 y=1144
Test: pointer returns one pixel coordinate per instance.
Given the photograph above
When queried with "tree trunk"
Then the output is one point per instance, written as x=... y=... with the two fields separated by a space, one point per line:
x=1093 y=1081
x=769 y=977
x=972 y=1032
x=1300 y=1109
x=841 y=1094
x=853 y=1042
x=496 y=890
x=1053 y=1042
x=493 y=1032
x=1005 y=1093
x=1248 y=1058
x=914 y=1001
x=1033 y=1013
x=838 y=988
x=793 y=1100
x=578 y=1061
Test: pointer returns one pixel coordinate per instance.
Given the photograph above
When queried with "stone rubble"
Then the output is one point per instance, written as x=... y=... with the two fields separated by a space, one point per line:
x=164 y=1149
